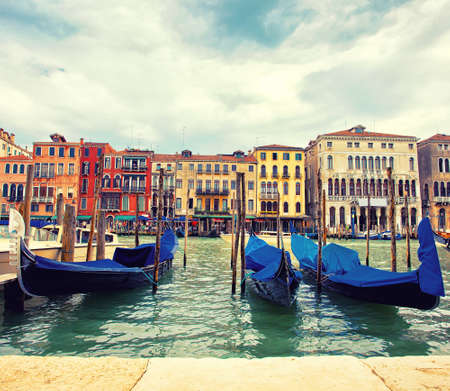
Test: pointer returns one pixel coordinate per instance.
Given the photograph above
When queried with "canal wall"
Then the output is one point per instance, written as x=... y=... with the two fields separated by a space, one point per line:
x=412 y=373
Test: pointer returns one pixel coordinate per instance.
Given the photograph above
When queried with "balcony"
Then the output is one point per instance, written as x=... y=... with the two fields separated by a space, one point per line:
x=274 y=175
x=268 y=196
x=225 y=172
x=42 y=200
x=131 y=168
x=268 y=212
x=133 y=189
x=298 y=176
x=165 y=188
x=209 y=211
x=441 y=200
x=286 y=176
x=216 y=192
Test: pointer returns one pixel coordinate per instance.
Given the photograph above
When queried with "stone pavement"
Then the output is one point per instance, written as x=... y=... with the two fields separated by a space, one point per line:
x=316 y=373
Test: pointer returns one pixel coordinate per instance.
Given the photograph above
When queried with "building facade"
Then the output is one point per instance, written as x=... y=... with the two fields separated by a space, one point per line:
x=56 y=170
x=13 y=174
x=434 y=170
x=280 y=170
x=8 y=147
x=353 y=164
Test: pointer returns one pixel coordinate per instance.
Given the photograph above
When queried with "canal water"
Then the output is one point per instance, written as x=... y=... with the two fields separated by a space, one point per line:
x=194 y=315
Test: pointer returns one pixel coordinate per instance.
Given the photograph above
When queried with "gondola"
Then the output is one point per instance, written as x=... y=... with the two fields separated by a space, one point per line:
x=179 y=232
x=343 y=273
x=129 y=268
x=443 y=238
x=270 y=275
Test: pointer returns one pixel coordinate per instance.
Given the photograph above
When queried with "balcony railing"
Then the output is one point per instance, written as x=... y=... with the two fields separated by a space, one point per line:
x=44 y=200
x=441 y=200
x=165 y=188
x=221 y=211
x=133 y=189
x=274 y=175
x=268 y=196
x=212 y=192
x=286 y=175
x=139 y=168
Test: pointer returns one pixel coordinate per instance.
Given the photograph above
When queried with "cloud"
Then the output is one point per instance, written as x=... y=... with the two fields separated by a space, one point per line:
x=233 y=75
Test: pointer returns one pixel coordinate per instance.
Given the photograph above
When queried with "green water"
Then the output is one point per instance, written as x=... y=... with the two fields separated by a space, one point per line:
x=194 y=315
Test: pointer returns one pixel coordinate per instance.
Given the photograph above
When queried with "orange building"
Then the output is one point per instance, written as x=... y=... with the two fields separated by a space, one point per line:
x=56 y=170
x=13 y=177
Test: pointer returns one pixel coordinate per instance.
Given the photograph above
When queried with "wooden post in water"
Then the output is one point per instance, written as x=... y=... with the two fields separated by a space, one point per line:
x=242 y=175
x=324 y=218
x=158 y=231
x=238 y=231
x=186 y=228
x=101 y=229
x=59 y=209
x=136 y=227
x=319 y=231
x=278 y=219
x=27 y=204
x=233 y=217
x=408 y=253
x=368 y=230
x=68 y=234
x=98 y=186
x=392 y=221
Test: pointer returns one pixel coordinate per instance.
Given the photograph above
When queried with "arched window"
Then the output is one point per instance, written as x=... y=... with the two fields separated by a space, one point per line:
x=365 y=187
x=275 y=188
x=5 y=190
x=377 y=163
x=297 y=188
x=330 y=187
x=12 y=192
x=364 y=163
x=125 y=203
x=342 y=216
x=336 y=187
x=285 y=207
x=357 y=163
x=275 y=171
x=263 y=206
x=442 y=219
x=441 y=166
x=15 y=168
x=358 y=187
x=285 y=188
x=297 y=207
x=332 y=216
x=391 y=162
x=330 y=162
x=263 y=187
x=352 y=187
x=20 y=193
x=106 y=181
x=383 y=163
x=426 y=192
x=442 y=189
x=379 y=188
x=285 y=171
x=275 y=206
x=447 y=168
x=400 y=188
x=269 y=207
x=22 y=169
x=436 y=189
x=7 y=168
x=343 y=188
x=263 y=171
x=411 y=164
x=448 y=189
x=116 y=183
x=371 y=163
x=413 y=217
x=407 y=188
x=155 y=200
x=269 y=187
x=350 y=163
x=372 y=187
x=385 y=188
x=297 y=172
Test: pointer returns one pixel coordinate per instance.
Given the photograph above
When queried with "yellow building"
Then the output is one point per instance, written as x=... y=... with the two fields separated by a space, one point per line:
x=211 y=180
x=280 y=170
x=353 y=165
x=8 y=146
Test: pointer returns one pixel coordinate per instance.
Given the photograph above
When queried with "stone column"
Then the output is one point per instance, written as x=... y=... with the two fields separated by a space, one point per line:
x=378 y=212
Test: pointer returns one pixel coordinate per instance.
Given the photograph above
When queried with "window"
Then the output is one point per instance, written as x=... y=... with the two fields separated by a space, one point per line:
x=441 y=165
x=84 y=185
x=250 y=205
x=298 y=156
x=330 y=187
x=391 y=162
x=285 y=172
x=297 y=172
x=274 y=156
x=330 y=162
x=51 y=151
x=34 y=207
x=208 y=168
x=297 y=188
x=106 y=181
x=251 y=185
x=49 y=208
x=447 y=168
x=116 y=182
x=216 y=185
x=352 y=187
x=285 y=188
x=199 y=203
x=436 y=189
x=71 y=169
x=37 y=170
x=190 y=184
x=208 y=185
x=384 y=163
x=411 y=146
x=118 y=162
x=383 y=145
x=233 y=185
x=297 y=207
x=38 y=151
x=60 y=170
x=22 y=168
x=225 y=185
x=217 y=168
x=61 y=152
x=199 y=185
x=364 y=163
x=125 y=203
x=263 y=171
x=370 y=145
x=390 y=145
x=179 y=183
x=285 y=156
x=343 y=188
x=51 y=170
x=178 y=203
x=275 y=171
x=5 y=190
x=286 y=207
x=336 y=187
x=107 y=163
x=233 y=167
x=329 y=144
x=250 y=168
x=72 y=152
x=179 y=166
x=349 y=145
x=86 y=152
x=377 y=163
x=263 y=156
x=15 y=168
x=99 y=152
x=411 y=164
x=356 y=144
x=44 y=170
x=7 y=168
x=263 y=206
x=371 y=163
x=350 y=163
x=70 y=192
x=200 y=168
x=225 y=168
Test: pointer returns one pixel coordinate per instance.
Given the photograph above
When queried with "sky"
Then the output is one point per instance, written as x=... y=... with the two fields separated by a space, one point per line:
x=215 y=76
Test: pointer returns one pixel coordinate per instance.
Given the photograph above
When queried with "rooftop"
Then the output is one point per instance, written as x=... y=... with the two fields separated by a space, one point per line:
x=360 y=131
x=197 y=157
x=436 y=138
x=278 y=147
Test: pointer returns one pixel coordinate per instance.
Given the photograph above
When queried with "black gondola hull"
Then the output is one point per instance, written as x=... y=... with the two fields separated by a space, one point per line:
x=275 y=290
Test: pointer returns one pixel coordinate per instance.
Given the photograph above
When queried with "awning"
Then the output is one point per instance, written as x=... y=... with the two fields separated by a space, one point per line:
x=124 y=218
x=84 y=217
x=380 y=202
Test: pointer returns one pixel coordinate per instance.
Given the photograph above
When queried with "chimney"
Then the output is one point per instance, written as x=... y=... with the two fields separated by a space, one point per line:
x=81 y=141
x=12 y=138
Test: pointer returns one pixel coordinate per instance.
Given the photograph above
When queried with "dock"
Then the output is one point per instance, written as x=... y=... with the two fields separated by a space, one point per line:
x=315 y=373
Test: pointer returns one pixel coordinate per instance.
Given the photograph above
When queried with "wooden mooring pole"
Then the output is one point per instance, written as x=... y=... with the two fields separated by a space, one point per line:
x=324 y=218
x=242 y=175
x=233 y=226
x=27 y=205
x=158 y=231
x=68 y=234
x=238 y=231
x=368 y=230
x=186 y=229
x=278 y=219
x=59 y=209
x=392 y=220
x=319 y=232
x=408 y=253
x=136 y=227
x=101 y=229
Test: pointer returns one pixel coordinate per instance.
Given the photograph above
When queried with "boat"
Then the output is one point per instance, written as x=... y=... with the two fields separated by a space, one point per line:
x=443 y=238
x=386 y=235
x=343 y=273
x=129 y=268
x=270 y=275
x=180 y=232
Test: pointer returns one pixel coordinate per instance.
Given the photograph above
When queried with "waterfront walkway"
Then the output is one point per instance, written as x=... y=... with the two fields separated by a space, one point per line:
x=188 y=374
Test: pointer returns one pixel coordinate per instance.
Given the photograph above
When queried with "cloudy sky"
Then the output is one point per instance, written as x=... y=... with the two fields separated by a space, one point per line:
x=226 y=74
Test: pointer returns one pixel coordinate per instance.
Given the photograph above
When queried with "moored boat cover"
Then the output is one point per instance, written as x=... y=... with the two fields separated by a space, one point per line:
x=430 y=276
x=90 y=266
x=338 y=259
x=144 y=255
x=305 y=250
